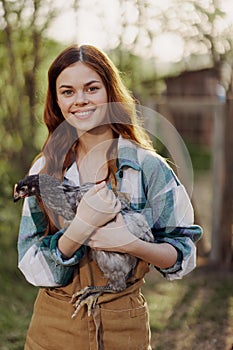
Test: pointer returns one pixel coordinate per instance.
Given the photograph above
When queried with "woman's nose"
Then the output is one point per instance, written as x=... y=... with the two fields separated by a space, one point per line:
x=81 y=98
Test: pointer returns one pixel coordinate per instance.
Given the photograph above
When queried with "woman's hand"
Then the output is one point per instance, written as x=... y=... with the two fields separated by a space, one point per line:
x=115 y=236
x=98 y=206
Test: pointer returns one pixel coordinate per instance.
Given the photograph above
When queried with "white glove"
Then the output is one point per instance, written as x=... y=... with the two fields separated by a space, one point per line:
x=98 y=206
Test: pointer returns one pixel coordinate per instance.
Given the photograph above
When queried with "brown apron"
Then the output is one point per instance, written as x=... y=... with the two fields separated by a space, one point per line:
x=119 y=321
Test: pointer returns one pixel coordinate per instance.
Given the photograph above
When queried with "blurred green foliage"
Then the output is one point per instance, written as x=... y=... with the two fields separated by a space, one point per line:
x=21 y=110
x=24 y=59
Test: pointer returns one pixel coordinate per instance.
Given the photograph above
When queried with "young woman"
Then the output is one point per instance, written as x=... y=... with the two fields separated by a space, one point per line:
x=94 y=137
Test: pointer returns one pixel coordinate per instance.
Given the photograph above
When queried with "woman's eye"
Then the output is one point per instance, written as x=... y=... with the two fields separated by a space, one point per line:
x=67 y=92
x=92 y=88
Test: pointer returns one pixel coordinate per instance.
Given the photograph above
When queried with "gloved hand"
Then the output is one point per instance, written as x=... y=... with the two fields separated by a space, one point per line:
x=98 y=206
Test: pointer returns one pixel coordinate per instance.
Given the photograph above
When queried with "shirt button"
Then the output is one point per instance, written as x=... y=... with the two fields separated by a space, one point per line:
x=120 y=174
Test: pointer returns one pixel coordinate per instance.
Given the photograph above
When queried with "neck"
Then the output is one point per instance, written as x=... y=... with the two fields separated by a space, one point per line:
x=96 y=139
x=92 y=155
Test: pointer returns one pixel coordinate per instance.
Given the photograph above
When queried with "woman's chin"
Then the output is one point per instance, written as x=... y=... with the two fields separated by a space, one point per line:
x=87 y=124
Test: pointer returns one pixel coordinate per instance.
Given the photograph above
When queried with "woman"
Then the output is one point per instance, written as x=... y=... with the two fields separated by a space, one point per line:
x=94 y=136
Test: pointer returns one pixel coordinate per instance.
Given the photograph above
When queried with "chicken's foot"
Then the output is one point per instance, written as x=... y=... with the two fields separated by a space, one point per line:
x=88 y=296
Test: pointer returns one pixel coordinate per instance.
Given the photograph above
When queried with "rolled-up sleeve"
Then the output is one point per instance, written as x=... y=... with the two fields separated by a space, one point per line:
x=38 y=257
x=171 y=217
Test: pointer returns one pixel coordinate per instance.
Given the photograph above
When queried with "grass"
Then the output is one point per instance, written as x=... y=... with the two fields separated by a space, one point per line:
x=194 y=313
x=16 y=301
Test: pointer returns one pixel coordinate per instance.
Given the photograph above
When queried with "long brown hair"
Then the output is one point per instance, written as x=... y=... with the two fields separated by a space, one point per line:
x=61 y=144
x=122 y=116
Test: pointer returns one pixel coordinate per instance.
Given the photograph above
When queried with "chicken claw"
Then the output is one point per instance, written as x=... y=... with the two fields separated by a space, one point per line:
x=88 y=296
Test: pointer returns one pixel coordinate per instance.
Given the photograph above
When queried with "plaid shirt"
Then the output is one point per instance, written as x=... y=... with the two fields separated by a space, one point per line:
x=154 y=190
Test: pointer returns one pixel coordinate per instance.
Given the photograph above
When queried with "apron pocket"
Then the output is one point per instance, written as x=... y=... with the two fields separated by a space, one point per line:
x=126 y=329
x=53 y=328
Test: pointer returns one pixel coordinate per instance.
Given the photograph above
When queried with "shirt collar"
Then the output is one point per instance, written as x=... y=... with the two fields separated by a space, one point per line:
x=72 y=175
x=127 y=154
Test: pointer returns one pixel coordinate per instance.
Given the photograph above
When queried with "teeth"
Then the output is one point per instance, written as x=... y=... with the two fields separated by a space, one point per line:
x=82 y=114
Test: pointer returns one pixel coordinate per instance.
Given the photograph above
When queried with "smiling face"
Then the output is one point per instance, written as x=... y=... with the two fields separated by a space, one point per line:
x=82 y=97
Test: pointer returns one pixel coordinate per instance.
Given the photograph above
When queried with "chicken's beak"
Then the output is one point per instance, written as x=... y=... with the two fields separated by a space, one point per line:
x=16 y=194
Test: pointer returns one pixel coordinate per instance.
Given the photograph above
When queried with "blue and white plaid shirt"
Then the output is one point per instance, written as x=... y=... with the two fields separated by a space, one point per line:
x=154 y=190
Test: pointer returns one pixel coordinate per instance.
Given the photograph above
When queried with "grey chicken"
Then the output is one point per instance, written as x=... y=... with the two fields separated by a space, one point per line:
x=63 y=200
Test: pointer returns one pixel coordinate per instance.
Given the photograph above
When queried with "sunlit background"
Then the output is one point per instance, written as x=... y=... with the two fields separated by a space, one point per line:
x=104 y=23
x=176 y=56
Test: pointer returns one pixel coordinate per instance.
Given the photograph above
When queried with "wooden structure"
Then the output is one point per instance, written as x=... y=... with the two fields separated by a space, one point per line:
x=196 y=91
x=196 y=99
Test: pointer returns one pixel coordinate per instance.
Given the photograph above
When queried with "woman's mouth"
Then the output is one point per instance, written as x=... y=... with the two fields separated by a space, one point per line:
x=83 y=114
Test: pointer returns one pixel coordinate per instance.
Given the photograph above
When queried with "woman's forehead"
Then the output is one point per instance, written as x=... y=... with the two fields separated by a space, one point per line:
x=78 y=72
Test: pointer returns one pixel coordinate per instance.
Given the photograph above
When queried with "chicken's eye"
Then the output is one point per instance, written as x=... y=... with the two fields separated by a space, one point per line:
x=24 y=189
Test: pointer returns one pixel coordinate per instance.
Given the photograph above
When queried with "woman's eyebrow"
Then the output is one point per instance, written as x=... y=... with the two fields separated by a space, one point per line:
x=86 y=84
x=65 y=86
x=91 y=82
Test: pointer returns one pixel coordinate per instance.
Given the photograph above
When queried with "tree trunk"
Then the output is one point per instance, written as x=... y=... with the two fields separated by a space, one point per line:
x=226 y=213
